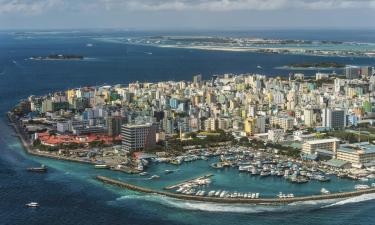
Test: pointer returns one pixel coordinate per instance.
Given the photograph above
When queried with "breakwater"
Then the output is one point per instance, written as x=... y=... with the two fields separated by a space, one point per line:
x=265 y=201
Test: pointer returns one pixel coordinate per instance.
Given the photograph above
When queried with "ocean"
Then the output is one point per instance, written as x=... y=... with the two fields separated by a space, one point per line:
x=68 y=194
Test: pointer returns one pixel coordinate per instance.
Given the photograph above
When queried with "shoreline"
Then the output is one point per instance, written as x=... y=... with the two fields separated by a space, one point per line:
x=260 y=201
x=29 y=150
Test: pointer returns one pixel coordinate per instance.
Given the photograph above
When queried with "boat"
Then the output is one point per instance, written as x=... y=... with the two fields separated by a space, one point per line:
x=32 y=204
x=168 y=171
x=101 y=166
x=41 y=169
x=361 y=187
x=217 y=165
x=143 y=173
x=363 y=179
x=321 y=178
x=264 y=174
x=211 y=193
x=153 y=177
x=325 y=191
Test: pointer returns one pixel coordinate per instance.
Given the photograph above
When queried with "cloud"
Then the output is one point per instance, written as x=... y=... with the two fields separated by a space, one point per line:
x=40 y=6
x=28 y=6
x=233 y=5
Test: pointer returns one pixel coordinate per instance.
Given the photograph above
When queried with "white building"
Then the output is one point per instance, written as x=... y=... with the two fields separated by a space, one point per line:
x=276 y=135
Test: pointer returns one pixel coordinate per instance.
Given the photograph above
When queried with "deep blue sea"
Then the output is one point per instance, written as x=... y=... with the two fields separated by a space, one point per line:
x=68 y=194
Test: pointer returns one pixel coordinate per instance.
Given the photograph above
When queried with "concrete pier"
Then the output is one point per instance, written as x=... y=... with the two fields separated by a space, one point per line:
x=265 y=201
x=187 y=181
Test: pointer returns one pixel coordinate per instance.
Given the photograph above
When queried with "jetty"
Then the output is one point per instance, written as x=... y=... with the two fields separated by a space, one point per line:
x=187 y=181
x=264 y=201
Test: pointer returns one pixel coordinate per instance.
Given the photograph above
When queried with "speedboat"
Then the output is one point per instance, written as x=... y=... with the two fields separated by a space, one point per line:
x=32 y=204
x=325 y=191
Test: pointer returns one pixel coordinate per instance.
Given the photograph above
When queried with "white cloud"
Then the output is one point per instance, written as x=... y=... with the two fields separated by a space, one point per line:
x=28 y=6
x=39 y=6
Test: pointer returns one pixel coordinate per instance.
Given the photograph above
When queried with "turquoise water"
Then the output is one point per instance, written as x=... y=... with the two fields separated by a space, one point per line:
x=69 y=194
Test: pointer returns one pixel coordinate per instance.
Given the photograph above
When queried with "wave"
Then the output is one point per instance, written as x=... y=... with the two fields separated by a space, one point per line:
x=361 y=198
x=222 y=207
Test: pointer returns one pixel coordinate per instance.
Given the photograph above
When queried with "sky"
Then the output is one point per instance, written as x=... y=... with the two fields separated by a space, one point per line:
x=186 y=14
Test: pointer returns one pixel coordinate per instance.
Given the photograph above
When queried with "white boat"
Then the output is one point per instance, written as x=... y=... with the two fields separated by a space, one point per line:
x=363 y=179
x=256 y=195
x=154 y=177
x=217 y=193
x=211 y=193
x=361 y=187
x=32 y=204
x=143 y=173
x=101 y=166
x=325 y=191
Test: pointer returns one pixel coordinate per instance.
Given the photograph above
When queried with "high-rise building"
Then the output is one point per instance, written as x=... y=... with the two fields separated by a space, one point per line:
x=352 y=72
x=138 y=137
x=197 y=79
x=308 y=115
x=333 y=118
x=249 y=125
x=114 y=125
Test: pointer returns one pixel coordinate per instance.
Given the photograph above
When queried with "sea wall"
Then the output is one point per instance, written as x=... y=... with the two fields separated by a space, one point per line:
x=266 y=201
x=28 y=149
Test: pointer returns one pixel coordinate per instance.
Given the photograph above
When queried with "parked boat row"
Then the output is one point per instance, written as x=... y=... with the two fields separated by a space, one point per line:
x=218 y=193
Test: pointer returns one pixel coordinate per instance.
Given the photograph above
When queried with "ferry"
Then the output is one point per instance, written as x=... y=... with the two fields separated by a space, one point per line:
x=32 y=204
x=325 y=191
x=41 y=169
x=101 y=166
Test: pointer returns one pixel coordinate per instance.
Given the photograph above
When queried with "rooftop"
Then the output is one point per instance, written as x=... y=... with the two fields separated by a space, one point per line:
x=321 y=141
x=361 y=148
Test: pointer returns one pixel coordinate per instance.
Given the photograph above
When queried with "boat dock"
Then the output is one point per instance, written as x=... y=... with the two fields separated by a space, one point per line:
x=264 y=201
x=187 y=181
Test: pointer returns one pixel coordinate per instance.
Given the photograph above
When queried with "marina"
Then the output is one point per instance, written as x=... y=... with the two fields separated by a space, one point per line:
x=281 y=198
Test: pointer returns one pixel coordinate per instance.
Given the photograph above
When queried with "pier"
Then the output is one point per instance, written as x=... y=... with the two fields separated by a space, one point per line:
x=265 y=201
x=187 y=181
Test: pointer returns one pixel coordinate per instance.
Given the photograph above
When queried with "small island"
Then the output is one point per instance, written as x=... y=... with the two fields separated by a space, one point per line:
x=317 y=65
x=58 y=57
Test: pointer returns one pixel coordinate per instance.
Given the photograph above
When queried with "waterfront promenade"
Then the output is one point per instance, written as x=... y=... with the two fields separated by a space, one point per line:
x=265 y=201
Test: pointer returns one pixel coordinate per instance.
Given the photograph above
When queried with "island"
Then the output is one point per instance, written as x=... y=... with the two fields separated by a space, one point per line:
x=317 y=65
x=227 y=125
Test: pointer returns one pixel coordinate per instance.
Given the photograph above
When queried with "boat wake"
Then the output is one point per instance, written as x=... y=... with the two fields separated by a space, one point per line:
x=361 y=198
